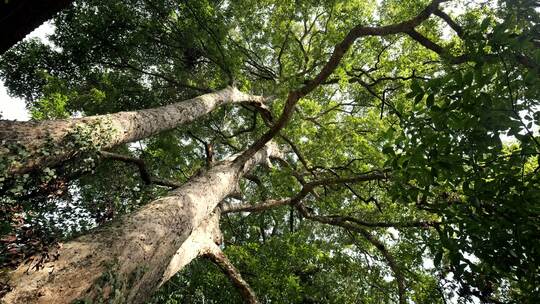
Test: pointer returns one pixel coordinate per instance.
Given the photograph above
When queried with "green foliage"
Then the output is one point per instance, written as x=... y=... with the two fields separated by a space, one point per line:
x=50 y=107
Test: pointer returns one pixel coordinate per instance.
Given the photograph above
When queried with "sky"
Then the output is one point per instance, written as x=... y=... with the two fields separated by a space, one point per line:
x=15 y=108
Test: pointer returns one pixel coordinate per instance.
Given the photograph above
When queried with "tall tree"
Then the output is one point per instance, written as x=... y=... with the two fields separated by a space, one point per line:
x=407 y=170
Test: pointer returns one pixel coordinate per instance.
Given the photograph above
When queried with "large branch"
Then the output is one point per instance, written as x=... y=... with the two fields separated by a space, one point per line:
x=424 y=41
x=364 y=177
x=339 y=52
x=275 y=203
x=205 y=241
x=32 y=145
x=411 y=224
x=346 y=222
x=400 y=280
x=307 y=188
x=220 y=259
x=435 y=47
x=200 y=241
x=456 y=27
x=127 y=260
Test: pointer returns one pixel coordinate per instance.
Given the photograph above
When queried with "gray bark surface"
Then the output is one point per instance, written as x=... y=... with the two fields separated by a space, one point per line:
x=126 y=261
x=28 y=145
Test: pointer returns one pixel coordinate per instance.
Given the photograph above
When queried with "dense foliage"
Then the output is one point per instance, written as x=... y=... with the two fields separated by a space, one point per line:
x=448 y=112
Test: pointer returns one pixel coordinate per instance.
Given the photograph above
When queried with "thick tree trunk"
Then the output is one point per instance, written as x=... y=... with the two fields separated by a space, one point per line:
x=28 y=145
x=125 y=262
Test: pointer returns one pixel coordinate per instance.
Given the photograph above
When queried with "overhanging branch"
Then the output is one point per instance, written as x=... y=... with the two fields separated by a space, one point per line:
x=339 y=52
x=145 y=174
x=456 y=27
x=268 y=204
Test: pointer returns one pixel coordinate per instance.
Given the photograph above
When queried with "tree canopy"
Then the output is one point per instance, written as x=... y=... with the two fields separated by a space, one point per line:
x=408 y=169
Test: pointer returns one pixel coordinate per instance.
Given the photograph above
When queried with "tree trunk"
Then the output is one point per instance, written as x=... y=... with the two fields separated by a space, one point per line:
x=126 y=261
x=30 y=145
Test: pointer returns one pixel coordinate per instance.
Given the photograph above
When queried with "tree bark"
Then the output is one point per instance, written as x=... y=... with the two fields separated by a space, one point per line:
x=30 y=145
x=126 y=261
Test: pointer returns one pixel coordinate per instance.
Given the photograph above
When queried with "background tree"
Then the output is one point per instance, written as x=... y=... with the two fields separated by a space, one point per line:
x=390 y=116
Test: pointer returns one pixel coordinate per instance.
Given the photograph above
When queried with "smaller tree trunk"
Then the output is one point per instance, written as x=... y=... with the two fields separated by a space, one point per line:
x=29 y=145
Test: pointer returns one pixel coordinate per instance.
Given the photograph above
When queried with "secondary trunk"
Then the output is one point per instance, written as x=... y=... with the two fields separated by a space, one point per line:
x=30 y=145
x=126 y=261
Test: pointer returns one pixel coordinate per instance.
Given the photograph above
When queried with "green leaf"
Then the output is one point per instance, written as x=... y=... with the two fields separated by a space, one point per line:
x=388 y=150
x=468 y=78
x=415 y=87
x=430 y=100
x=411 y=94
x=418 y=98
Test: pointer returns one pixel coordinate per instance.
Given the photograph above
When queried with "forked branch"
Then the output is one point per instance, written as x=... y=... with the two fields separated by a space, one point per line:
x=339 y=52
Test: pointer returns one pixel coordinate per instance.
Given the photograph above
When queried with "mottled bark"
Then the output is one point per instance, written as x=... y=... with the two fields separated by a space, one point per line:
x=127 y=260
x=29 y=145
x=201 y=241
x=205 y=241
